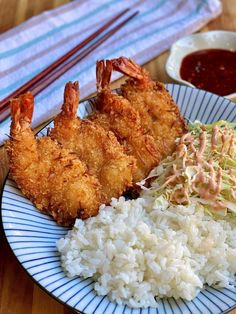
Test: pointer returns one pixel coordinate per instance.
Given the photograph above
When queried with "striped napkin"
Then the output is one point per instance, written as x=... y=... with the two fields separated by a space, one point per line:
x=28 y=48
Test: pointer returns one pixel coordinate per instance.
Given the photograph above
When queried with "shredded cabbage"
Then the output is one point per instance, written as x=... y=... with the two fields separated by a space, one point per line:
x=202 y=169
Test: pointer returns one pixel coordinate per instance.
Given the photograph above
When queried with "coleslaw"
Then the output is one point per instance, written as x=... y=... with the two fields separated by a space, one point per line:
x=202 y=169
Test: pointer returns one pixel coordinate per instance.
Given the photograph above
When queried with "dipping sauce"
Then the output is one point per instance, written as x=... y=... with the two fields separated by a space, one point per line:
x=213 y=70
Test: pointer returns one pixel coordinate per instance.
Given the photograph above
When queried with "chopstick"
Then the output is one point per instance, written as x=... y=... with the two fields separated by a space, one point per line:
x=52 y=72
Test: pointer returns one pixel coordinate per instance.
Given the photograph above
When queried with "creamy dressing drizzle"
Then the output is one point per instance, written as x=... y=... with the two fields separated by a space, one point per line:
x=214 y=137
x=233 y=179
x=206 y=181
x=202 y=142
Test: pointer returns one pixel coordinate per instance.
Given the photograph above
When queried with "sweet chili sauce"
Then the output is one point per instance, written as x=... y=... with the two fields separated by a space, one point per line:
x=213 y=70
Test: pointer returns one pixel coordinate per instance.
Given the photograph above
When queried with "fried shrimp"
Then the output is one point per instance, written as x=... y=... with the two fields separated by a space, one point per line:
x=116 y=114
x=53 y=178
x=98 y=148
x=159 y=114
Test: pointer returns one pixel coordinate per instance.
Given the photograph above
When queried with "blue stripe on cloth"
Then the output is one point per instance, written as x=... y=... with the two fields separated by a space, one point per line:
x=55 y=30
x=157 y=30
x=115 y=51
x=22 y=80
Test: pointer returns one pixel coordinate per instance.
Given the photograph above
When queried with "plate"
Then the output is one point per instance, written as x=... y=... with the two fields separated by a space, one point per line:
x=32 y=235
x=207 y=40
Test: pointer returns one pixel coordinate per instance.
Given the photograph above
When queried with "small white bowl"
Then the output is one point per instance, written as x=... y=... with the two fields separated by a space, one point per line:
x=188 y=44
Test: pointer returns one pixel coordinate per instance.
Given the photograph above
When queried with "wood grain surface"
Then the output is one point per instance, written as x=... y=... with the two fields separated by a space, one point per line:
x=18 y=293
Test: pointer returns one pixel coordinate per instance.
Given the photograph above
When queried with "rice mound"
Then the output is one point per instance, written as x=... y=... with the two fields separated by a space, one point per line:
x=140 y=249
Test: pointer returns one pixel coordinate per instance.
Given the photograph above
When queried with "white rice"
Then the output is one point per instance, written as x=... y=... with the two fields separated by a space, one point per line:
x=138 y=249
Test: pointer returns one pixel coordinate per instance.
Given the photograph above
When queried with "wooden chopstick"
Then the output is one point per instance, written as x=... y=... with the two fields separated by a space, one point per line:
x=58 y=72
x=52 y=72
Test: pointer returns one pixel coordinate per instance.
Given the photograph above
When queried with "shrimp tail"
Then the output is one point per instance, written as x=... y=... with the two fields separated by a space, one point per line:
x=66 y=121
x=15 y=115
x=130 y=68
x=21 y=112
x=71 y=99
x=103 y=74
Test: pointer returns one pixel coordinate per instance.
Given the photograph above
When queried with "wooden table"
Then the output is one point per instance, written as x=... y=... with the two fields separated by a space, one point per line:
x=18 y=293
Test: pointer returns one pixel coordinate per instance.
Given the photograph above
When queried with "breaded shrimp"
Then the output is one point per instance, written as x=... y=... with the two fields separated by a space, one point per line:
x=98 y=148
x=116 y=114
x=53 y=178
x=159 y=114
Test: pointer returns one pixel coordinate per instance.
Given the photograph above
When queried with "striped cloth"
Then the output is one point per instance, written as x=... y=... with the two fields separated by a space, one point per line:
x=33 y=45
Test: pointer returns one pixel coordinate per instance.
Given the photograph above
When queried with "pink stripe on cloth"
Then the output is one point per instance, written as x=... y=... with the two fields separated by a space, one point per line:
x=47 y=50
x=148 y=24
x=157 y=26
x=36 y=20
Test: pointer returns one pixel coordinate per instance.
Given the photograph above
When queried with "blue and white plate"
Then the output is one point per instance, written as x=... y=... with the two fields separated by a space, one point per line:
x=32 y=235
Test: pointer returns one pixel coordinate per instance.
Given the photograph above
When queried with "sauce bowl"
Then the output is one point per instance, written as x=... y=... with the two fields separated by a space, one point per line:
x=186 y=45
